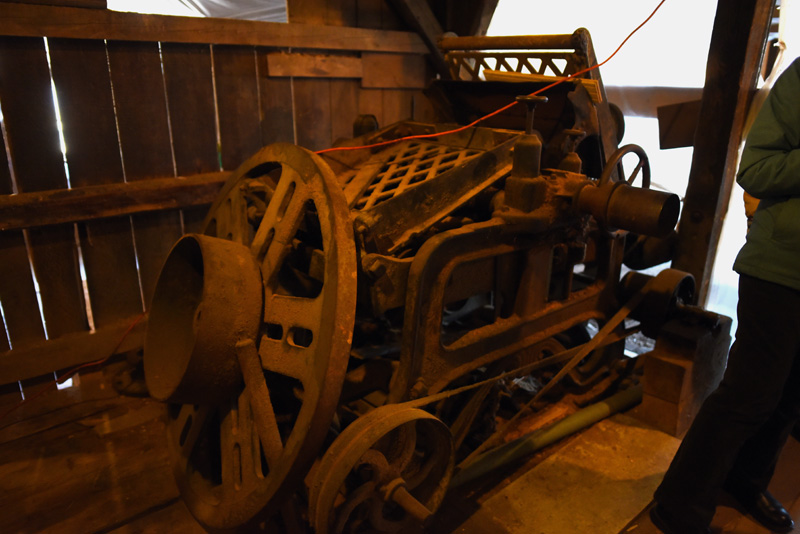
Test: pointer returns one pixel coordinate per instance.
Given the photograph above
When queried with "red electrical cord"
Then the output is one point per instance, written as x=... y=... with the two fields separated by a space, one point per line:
x=383 y=143
x=507 y=106
x=74 y=370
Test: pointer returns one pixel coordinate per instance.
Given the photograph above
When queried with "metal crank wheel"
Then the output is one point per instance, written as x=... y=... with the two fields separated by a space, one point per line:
x=388 y=470
x=249 y=337
x=614 y=162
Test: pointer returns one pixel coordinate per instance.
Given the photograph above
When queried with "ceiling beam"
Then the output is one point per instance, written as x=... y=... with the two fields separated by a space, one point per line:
x=24 y=20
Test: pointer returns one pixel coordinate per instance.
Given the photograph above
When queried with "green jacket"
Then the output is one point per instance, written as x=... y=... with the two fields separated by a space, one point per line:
x=770 y=171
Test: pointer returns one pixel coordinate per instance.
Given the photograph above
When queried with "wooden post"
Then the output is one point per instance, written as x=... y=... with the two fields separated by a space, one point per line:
x=737 y=44
x=418 y=15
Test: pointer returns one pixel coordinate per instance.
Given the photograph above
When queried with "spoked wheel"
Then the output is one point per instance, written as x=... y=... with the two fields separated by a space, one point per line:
x=249 y=336
x=642 y=164
x=388 y=470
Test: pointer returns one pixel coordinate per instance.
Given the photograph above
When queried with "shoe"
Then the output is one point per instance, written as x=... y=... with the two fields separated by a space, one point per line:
x=669 y=524
x=764 y=508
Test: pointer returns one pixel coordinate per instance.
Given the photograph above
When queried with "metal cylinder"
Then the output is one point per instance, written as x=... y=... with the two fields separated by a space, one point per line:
x=618 y=205
x=644 y=211
x=207 y=298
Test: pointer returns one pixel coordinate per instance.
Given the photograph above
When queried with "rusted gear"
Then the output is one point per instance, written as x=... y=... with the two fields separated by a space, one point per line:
x=387 y=470
x=236 y=460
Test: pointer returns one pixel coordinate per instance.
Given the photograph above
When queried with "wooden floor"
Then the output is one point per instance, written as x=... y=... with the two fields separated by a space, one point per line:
x=87 y=460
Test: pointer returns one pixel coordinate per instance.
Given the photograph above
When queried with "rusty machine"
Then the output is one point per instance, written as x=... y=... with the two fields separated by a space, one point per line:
x=350 y=327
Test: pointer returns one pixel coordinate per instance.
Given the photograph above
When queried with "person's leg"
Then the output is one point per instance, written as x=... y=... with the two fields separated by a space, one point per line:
x=756 y=461
x=758 y=366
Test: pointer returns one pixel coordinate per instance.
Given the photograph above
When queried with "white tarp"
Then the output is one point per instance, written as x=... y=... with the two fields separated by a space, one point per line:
x=269 y=10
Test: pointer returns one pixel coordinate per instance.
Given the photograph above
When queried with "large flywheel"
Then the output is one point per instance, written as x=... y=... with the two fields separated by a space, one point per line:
x=249 y=336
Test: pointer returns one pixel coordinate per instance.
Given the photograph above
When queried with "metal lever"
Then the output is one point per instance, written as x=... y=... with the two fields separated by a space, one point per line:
x=530 y=102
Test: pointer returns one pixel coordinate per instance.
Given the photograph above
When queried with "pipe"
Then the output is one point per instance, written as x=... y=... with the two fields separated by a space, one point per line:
x=503 y=42
x=513 y=450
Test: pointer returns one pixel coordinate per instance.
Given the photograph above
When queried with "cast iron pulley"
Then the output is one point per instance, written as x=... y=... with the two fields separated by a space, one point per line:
x=262 y=308
x=388 y=470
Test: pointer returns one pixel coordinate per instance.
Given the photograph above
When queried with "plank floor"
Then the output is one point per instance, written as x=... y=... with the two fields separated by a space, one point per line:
x=87 y=460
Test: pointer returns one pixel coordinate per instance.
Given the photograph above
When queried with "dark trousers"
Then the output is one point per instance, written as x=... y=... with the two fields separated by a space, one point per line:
x=742 y=426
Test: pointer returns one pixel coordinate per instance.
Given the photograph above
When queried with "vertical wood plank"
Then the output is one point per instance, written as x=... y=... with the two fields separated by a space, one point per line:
x=370 y=102
x=343 y=93
x=237 y=103
x=143 y=125
x=190 y=95
x=277 y=119
x=397 y=105
x=344 y=108
x=388 y=105
x=141 y=109
x=311 y=97
x=307 y=11
x=17 y=294
x=341 y=13
x=390 y=20
x=424 y=110
x=4 y=346
x=312 y=113
x=81 y=77
x=35 y=153
x=368 y=14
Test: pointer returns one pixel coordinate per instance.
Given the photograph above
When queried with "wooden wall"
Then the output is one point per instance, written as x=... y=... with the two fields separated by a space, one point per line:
x=144 y=100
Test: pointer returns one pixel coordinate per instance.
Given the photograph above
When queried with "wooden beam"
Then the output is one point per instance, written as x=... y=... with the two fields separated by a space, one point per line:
x=393 y=71
x=418 y=15
x=42 y=208
x=677 y=124
x=469 y=17
x=77 y=23
x=645 y=101
x=70 y=350
x=737 y=43
x=484 y=16
x=282 y=64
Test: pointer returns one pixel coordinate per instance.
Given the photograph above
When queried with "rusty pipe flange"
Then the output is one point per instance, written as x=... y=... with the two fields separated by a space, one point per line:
x=238 y=462
x=208 y=297
x=664 y=295
x=388 y=470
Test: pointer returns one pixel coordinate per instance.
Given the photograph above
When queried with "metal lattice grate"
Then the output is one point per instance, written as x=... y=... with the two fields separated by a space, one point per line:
x=470 y=65
x=412 y=164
